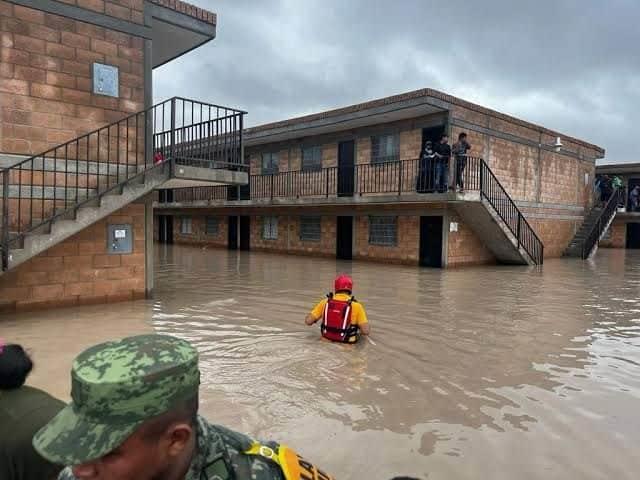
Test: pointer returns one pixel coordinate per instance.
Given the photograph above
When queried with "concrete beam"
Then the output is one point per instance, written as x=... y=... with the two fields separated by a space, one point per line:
x=218 y=176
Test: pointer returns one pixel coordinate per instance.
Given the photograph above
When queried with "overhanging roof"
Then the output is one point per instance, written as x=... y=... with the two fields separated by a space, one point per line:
x=629 y=168
x=177 y=28
x=313 y=125
x=396 y=107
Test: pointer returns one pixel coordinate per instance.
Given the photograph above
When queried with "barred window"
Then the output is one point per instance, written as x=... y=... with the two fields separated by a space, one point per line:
x=310 y=228
x=212 y=225
x=269 y=163
x=385 y=148
x=185 y=225
x=312 y=159
x=383 y=230
x=270 y=228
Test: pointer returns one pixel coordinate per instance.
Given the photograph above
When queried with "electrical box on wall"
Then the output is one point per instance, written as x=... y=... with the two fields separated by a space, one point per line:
x=119 y=239
x=105 y=80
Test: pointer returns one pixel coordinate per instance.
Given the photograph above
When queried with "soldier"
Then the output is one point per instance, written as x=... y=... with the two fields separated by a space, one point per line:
x=134 y=416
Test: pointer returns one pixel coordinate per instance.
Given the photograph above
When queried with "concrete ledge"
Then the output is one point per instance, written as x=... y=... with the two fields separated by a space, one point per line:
x=217 y=176
x=48 y=193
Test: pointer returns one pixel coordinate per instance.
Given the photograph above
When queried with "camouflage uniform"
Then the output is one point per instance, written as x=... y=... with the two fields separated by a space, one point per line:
x=116 y=386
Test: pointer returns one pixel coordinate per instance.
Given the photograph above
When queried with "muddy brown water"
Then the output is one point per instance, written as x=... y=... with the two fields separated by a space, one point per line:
x=488 y=372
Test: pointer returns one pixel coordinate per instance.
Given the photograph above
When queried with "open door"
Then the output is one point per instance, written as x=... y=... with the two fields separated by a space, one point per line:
x=245 y=232
x=426 y=175
x=633 y=235
x=344 y=238
x=165 y=229
x=346 y=168
x=232 y=242
x=431 y=241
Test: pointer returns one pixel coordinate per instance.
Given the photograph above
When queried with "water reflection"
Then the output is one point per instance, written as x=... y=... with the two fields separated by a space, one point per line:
x=487 y=371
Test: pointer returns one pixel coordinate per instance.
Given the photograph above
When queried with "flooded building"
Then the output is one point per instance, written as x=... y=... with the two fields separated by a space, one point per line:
x=353 y=183
x=624 y=231
x=82 y=146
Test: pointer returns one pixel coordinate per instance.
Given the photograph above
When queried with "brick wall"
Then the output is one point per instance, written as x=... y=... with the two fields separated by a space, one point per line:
x=130 y=10
x=79 y=271
x=555 y=234
x=617 y=236
x=406 y=251
x=464 y=247
x=45 y=79
x=261 y=244
x=198 y=234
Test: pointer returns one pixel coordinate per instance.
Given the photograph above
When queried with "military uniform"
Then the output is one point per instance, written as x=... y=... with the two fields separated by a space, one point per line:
x=117 y=386
x=219 y=456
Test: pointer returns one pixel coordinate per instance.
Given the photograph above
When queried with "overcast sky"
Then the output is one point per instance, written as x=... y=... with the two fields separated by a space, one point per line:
x=570 y=65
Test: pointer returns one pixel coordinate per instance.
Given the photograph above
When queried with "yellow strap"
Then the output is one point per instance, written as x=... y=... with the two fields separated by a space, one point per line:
x=291 y=464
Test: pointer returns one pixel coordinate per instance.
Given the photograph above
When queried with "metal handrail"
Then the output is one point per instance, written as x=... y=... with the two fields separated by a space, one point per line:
x=600 y=224
x=56 y=182
x=492 y=190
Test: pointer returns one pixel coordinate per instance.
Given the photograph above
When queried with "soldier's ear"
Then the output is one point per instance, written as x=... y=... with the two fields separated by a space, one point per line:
x=179 y=436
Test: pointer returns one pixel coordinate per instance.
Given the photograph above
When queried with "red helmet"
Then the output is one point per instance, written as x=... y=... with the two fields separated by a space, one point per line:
x=343 y=282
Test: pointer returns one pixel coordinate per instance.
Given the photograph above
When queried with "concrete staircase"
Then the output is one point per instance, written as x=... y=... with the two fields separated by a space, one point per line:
x=575 y=247
x=72 y=221
x=585 y=242
x=492 y=230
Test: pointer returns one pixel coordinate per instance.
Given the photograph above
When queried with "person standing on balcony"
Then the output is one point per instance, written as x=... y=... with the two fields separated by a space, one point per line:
x=460 y=150
x=23 y=411
x=442 y=151
x=343 y=318
x=634 y=198
x=424 y=182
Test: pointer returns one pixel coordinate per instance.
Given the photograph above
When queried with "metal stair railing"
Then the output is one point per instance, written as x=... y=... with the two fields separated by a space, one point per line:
x=601 y=223
x=40 y=189
x=492 y=190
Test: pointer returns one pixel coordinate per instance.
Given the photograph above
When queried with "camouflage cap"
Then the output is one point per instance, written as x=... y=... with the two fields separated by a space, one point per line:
x=115 y=387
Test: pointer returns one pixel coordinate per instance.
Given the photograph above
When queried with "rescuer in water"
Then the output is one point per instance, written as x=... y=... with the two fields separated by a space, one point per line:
x=343 y=318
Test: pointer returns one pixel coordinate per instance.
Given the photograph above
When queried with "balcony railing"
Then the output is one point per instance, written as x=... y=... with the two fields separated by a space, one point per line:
x=414 y=176
x=400 y=178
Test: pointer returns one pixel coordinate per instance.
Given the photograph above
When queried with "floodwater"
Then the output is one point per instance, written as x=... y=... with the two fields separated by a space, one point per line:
x=491 y=372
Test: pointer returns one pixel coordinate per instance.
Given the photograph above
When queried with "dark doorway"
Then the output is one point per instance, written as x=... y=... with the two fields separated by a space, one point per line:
x=245 y=232
x=426 y=178
x=344 y=240
x=431 y=241
x=165 y=229
x=232 y=243
x=346 y=168
x=633 y=235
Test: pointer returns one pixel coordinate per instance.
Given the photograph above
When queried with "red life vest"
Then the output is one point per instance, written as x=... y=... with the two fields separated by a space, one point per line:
x=336 y=321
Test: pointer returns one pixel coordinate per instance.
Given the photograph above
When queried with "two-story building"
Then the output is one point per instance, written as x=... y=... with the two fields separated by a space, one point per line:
x=353 y=183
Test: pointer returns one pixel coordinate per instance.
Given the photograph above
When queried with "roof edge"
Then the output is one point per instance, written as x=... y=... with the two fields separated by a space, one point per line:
x=424 y=92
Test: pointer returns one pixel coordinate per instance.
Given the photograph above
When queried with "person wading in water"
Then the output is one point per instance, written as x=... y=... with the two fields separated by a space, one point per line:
x=343 y=318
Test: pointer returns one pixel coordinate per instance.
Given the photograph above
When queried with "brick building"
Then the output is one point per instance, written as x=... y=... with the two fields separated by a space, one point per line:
x=624 y=231
x=349 y=183
x=77 y=137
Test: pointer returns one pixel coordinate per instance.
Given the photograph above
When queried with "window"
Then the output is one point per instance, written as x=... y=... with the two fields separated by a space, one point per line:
x=383 y=230
x=312 y=159
x=385 y=148
x=310 y=229
x=270 y=228
x=185 y=225
x=212 y=225
x=269 y=163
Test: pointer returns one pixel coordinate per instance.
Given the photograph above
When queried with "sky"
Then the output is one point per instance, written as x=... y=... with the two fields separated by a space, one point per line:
x=569 y=65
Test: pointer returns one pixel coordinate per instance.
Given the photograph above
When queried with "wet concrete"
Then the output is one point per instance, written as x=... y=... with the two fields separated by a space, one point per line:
x=495 y=372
